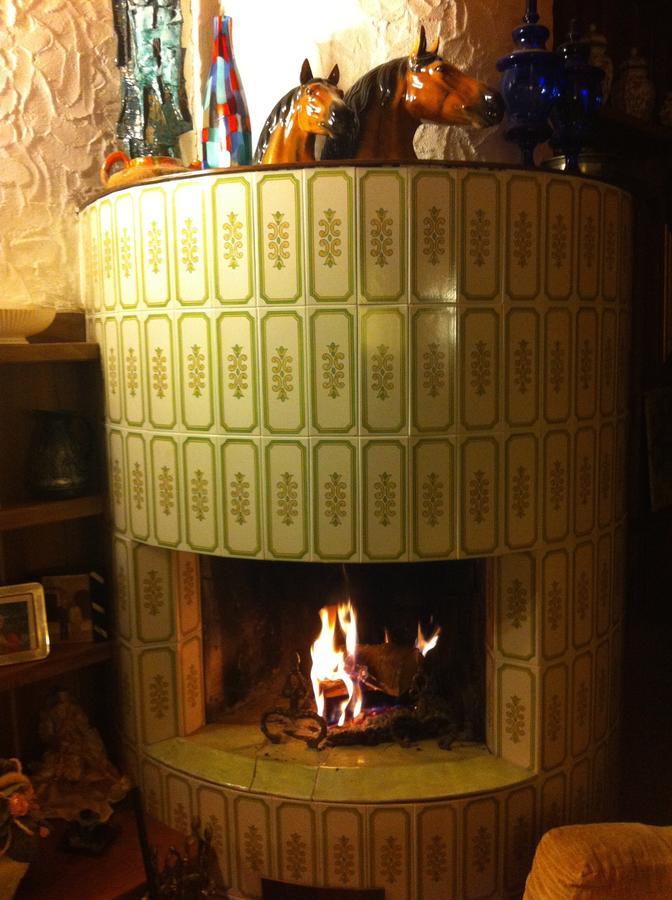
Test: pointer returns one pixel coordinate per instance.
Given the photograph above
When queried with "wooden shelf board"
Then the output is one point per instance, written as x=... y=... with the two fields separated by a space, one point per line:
x=25 y=515
x=66 y=351
x=62 y=658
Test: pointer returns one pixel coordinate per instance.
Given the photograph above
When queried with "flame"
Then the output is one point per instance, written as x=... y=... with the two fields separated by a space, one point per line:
x=424 y=646
x=333 y=664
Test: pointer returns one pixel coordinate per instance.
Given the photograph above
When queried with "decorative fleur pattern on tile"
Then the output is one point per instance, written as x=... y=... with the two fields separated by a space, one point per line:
x=189 y=245
x=159 y=373
x=286 y=494
x=610 y=246
x=522 y=239
x=125 y=253
x=515 y=719
x=480 y=367
x=112 y=373
x=159 y=696
x=582 y=596
x=522 y=366
x=238 y=371
x=333 y=368
x=556 y=480
x=581 y=705
x=189 y=583
x=481 y=849
x=196 y=370
x=521 y=843
x=295 y=856
x=382 y=372
x=335 y=499
x=554 y=718
x=278 y=240
x=436 y=858
x=199 y=495
x=132 y=372
x=107 y=254
x=433 y=369
x=166 y=490
x=554 y=606
x=138 y=486
x=232 y=246
x=557 y=366
x=344 y=859
x=121 y=587
x=520 y=494
x=153 y=592
x=516 y=603
x=434 y=235
x=385 y=498
x=191 y=687
x=180 y=818
x=217 y=832
x=154 y=248
x=559 y=241
x=432 y=499
x=283 y=375
x=479 y=237
x=390 y=860
x=585 y=480
x=117 y=486
x=479 y=496
x=239 y=497
x=381 y=237
x=585 y=364
x=253 y=848
x=589 y=243
x=330 y=238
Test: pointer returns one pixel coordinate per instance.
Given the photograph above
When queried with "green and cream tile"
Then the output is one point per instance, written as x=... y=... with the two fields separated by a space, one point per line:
x=254 y=856
x=238 y=372
x=581 y=703
x=625 y=261
x=383 y=381
x=605 y=475
x=232 y=225
x=156 y=239
x=240 y=489
x=603 y=585
x=126 y=250
x=607 y=365
x=200 y=493
x=589 y=242
x=391 y=862
x=586 y=358
x=160 y=371
x=559 y=221
x=152 y=789
x=521 y=491
x=187 y=592
x=481 y=836
x=516 y=597
x=156 y=693
x=382 y=235
x=139 y=501
x=433 y=351
x=556 y=467
x=517 y=716
x=117 y=476
x=557 y=381
x=179 y=803
x=113 y=371
x=154 y=594
x=279 y=217
x=108 y=255
x=132 y=374
x=90 y=236
x=433 y=510
x=433 y=231
x=556 y=586
x=479 y=369
x=556 y=715
x=611 y=250
x=601 y=691
x=583 y=595
x=195 y=366
x=296 y=843
x=437 y=848
x=521 y=358
x=519 y=837
x=282 y=351
x=285 y=470
x=191 y=690
x=167 y=497
x=190 y=252
x=584 y=481
x=343 y=843
x=480 y=269
x=213 y=810
x=332 y=371
x=523 y=251
x=384 y=472
x=579 y=792
x=335 y=492
x=552 y=802
x=330 y=237
x=479 y=474
x=123 y=587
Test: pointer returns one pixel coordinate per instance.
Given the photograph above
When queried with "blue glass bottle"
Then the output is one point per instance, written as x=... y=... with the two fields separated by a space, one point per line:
x=530 y=85
x=227 y=137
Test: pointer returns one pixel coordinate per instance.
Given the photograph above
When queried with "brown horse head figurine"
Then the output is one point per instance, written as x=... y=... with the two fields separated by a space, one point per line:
x=315 y=107
x=391 y=101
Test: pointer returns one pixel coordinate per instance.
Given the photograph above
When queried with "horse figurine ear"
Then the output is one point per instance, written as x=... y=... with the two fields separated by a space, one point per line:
x=420 y=48
x=334 y=75
x=306 y=72
x=434 y=49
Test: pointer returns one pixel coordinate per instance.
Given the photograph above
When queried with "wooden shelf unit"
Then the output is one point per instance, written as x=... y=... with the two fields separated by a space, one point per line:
x=62 y=658
x=26 y=515
x=68 y=351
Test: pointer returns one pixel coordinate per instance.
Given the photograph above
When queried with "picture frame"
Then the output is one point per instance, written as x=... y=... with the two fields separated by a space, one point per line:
x=24 y=634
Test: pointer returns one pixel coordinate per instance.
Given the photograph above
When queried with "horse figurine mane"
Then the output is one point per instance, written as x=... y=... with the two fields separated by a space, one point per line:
x=315 y=107
x=390 y=101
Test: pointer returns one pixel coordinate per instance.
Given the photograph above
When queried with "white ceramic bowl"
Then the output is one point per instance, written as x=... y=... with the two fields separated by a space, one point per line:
x=19 y=322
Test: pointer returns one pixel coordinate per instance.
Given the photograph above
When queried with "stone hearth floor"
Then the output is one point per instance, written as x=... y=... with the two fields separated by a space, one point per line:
x=240 y=758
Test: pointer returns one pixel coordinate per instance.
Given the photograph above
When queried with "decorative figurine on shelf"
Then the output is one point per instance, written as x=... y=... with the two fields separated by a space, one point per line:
x=75 y=773
x=192 y=873
x=634 y=93
x=154 y=110
x=599 y=57
x=573 y=116
x=392 y=100
x=531 y=79
x=227 y=136
x=20 y=826
x=315 y=107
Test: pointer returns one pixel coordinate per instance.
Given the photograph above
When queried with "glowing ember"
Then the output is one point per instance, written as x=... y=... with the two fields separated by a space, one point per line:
x=333 y=664
x=423 y=645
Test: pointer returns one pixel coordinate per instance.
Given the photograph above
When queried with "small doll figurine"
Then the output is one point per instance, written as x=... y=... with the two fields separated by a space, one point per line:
x=20 y=825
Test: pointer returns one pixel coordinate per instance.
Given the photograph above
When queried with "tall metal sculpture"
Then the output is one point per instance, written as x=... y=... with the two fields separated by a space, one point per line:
x=154 y=110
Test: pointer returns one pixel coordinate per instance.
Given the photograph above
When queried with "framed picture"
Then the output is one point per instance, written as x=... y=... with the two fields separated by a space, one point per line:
x=23 y=623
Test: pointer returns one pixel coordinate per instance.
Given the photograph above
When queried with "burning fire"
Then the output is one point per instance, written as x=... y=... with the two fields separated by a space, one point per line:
x=424 y=646
x=331 y=664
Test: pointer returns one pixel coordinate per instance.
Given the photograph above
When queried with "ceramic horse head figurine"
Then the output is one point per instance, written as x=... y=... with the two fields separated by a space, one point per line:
x=391 y=101
x=315 y=107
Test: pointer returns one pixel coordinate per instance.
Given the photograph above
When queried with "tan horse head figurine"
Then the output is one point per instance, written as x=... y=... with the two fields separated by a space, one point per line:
x=315 y=107
x=392 y=100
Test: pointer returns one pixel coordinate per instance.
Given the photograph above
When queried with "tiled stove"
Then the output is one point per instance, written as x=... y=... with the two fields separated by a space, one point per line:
x=367 y=364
